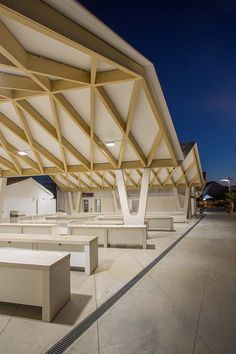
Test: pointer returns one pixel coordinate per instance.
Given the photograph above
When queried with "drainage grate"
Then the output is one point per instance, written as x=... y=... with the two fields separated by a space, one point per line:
x=64 y=343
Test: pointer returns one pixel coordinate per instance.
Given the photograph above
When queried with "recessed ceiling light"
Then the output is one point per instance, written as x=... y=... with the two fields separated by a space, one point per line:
x=22 y=153
x=110 y=143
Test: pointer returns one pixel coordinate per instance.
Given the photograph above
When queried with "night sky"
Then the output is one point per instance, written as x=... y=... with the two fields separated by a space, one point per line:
x=193 y=47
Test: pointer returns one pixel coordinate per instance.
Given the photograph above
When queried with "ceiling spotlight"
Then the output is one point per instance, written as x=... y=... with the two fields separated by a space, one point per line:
x=22 y=153
x=110 y=143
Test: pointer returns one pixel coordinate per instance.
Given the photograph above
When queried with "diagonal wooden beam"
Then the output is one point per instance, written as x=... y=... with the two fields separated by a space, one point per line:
x=59 y=136
x=197 y=164
x=59 y=184
x=13 y=151
x=44 y=19
x=158 y=116
x=9 y=165
x=77 y=179
x=15 y=162
x=103 y=178
x=16 y=82
x=132 y=105
x=110 y=107
x=5 y=63
x=156 y=177
x=193 y=179
x=92 y=180
x=38 y=118
x=69 y=109
x=81 y=181
x=7 y=93
x=39 y=148
x=129 y=178
x=29 y=137
x=15 y=53
x=70 y=184
x=189 y=168
x=154 y=148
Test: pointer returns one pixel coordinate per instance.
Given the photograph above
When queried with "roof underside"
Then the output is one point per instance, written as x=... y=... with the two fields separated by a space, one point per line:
x=61 y=102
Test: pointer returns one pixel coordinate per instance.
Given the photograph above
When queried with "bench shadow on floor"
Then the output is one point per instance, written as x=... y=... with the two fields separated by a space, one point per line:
x=68 y=315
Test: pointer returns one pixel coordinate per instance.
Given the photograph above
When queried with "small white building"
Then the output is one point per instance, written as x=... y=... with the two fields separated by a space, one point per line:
x=25 y=197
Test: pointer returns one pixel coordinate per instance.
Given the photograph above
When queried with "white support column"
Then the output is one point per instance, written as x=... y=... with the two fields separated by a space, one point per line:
x=71 y=203
x=129 y=219
x=193 y=201
x=78 y=200
x=115 y=201
x=186 y=200
x=3 y=184
x=176 y=193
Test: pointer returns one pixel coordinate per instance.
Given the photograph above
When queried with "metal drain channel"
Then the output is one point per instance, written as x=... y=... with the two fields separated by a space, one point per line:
x=64 y=343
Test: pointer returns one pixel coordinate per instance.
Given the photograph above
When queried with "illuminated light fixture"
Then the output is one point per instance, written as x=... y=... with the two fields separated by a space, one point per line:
x=110 y=143
x=225 y=180
x=22 y=153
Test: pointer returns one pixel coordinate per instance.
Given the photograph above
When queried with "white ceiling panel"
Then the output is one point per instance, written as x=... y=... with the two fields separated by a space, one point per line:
x=144 y=127
x=8 y=110
x=80 y=100
x=42 y=105
x=42 y=45
x=120 y=95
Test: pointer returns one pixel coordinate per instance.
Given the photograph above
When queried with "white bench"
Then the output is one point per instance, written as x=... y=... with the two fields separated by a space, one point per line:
x=83 y=249
x=154 y=222
x=165 y=223
x=44 y=229
x=70 y=218
x=102 y=222
x=35 y=278
x=105 y=218
x=178 y=216
x=128 y=235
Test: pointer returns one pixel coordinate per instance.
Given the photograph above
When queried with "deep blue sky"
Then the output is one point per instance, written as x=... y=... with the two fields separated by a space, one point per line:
x=193 y=47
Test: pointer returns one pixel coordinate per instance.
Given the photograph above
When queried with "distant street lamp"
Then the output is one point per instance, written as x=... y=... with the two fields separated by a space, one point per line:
x=228 y=181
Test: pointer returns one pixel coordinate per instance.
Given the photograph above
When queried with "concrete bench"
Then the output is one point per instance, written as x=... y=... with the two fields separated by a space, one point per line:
x=128 y=235
x=83 y=249
x=35 y=278
x=154 y=222
x=102 y=222
x=70 y=218
x=178 y=216
x=165 y=223
x=44 y=229
x=106 y=218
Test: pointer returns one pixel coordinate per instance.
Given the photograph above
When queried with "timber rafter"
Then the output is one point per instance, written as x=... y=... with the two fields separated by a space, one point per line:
x=27 y=77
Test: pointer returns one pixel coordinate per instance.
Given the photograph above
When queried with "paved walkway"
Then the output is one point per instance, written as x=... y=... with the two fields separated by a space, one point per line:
x=185 y=305
x=21 y=328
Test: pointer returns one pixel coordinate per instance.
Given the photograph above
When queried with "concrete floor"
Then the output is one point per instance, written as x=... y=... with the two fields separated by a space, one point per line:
x=185 y=304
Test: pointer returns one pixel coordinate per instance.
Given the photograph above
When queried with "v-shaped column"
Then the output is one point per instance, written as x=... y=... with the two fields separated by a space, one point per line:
x=139 y=218
x=71 y=204
x=3 y=184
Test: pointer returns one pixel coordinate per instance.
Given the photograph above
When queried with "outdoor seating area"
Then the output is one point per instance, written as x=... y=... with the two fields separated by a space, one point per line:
x=96 y=188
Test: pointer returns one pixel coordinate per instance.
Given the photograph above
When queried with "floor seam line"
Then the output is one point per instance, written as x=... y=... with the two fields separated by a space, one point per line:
x=9 y=320
x=66 y=341
x=203 y=296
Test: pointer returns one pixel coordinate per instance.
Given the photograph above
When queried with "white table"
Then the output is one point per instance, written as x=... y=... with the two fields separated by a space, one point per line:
x=165 y=223
x=83 y=249
x=35 y=278
x=128 y=235
x=28 y=228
